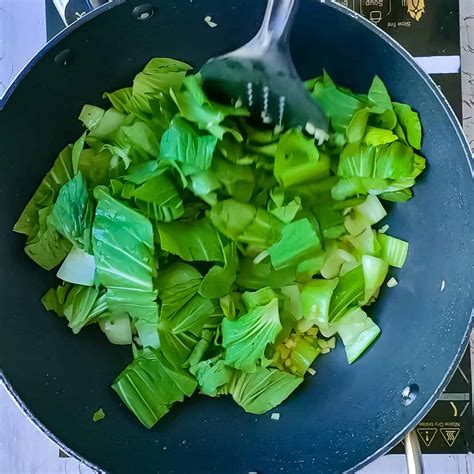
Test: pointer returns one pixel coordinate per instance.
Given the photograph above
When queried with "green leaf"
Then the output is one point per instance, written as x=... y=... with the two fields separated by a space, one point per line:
x=237 y=180
x=285 y=253
x=97 y=168
x=264 y=389
x=91 y=116
x=262 y=297
x=378 y=136
x=159 y=199
x=204 y=185
x=123 y=239
x=262 y=232
x=140 y=136
x=182 y=143
x=45 y=245
x=379 y=97
x=213 y=376
x=339 y=105
x=247 y=337
x=393 y=161
x=109 y=123
x=231 y=217
x=200 y=349
x=255 y=276
x=357 y=126
x=181 y=331
x=176 y=285
x=410 y=123
x=123 y=250
x=316 y=299
x=151 y=88
x=348 y=293
x=348 y=187
x=386 y=120
x=192 y=240
x=285 y=212
x=149 y=387
x=143 y=172
x=402 y=195
x=297 y=160
x=219 y=279
x=81 y=305
x=47 y=192
x=330 y=220
x=195 y=107
x=71 y=215
x=120 y=99
x=98 y=415
x=54 y=299
x=357 y=160
x=76 y=152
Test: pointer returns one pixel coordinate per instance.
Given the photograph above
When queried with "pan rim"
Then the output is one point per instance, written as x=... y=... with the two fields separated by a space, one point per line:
x=429 y=82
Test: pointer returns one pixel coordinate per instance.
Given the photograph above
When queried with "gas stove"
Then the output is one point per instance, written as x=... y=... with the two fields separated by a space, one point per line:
x=429 y=30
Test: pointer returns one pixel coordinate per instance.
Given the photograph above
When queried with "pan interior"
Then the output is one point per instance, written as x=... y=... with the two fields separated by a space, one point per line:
x=345 y=413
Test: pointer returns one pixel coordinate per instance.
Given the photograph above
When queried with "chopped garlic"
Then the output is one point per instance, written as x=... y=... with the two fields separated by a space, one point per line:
x=290 y=343
x=208 y=20
x=392 y=283
x=322 y=344
x=275 y=416
x=285 y=353
x=321 y=136
x=332 y=343
x=310 y=128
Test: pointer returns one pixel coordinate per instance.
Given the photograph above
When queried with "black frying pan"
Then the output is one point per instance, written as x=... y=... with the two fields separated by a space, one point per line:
x=342 y=418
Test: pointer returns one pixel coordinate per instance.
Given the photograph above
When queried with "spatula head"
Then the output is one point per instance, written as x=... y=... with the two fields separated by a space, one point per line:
x=268 y=86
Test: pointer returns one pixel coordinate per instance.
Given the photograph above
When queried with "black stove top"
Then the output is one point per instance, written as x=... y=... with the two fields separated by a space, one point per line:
x=429 y=30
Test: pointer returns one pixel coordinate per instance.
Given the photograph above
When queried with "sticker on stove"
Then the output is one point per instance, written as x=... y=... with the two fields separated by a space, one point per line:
x=415 y=8
x=450 y=435
x=375 y=10
x=439 y=424
x=427 y=435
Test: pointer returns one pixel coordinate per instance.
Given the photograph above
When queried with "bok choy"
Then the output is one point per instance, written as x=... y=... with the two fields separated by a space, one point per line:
x=228 y=257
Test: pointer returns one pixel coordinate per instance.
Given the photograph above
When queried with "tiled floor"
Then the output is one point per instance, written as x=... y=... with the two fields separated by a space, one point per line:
x=24 y=449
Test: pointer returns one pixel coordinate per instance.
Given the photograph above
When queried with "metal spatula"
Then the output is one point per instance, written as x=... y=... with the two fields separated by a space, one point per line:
x=261 y=75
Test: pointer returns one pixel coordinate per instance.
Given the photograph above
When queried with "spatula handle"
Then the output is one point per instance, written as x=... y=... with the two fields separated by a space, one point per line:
x=277 y=23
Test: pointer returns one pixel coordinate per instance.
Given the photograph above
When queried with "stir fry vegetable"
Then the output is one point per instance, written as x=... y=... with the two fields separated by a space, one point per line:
x=227 y=256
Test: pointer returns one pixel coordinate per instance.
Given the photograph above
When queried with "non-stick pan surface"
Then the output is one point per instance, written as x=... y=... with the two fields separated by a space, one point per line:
x=344 y=416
